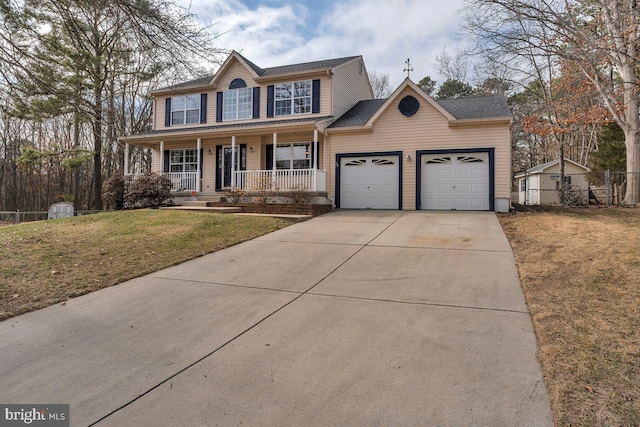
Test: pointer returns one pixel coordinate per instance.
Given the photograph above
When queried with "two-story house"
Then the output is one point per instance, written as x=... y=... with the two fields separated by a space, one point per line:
x=315 y=127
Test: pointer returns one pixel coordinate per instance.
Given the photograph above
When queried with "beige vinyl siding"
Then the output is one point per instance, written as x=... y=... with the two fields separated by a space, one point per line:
x=350 y=86
x=428 y=129
x=160 y=103
x=235 y=70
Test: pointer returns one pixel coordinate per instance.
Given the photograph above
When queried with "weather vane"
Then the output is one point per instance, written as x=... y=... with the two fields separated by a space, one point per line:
x=409 y=67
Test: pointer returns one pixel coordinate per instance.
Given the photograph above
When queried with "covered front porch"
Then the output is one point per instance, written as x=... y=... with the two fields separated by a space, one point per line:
x=287 y=159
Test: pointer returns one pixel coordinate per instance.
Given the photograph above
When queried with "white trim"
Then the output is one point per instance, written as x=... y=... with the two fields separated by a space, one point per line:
x=292 y=98
x=233 y=162
x=198 y=147
x=227 y=92
x=162 y=157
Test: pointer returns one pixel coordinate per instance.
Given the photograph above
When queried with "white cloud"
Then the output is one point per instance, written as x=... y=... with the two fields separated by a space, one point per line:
x=385 y=32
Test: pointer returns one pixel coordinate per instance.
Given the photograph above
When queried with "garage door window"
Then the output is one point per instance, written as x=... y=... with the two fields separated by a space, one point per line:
x=438 y=160
x=469 y=159
x=293 y=156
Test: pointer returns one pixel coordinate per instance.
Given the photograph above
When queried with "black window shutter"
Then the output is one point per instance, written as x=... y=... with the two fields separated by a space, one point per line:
x=270 y=100
x=256 y=102
x=269 y=155
x=219 y=107
x=201 y=162
x=218 y=167
x=165 y=162
x=315 y=96
x=203 y=108
x=167 y=112
x=243 y=157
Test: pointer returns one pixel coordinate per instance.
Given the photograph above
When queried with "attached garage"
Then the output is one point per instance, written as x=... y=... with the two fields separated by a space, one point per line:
x=452 y=154
x=369 y=181
x=455 y=180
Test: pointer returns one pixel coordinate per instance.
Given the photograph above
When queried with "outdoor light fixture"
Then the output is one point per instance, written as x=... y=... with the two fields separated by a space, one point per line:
x=209 y=151
x=251 y=148
x=408 y=157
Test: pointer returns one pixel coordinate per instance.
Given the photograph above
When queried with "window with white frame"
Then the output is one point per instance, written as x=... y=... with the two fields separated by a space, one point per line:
x=293 y=98
x=237 y=104
x=185 y=109
x=293 y=156
x=183 y=160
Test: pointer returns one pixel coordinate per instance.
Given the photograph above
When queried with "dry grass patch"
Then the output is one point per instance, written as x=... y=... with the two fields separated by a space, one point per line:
x=580 y=270
x=46 y=262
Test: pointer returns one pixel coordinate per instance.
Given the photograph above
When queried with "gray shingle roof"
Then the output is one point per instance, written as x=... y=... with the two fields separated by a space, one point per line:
x=271 y=71
x=359 y=114
x=195 y=82
x=306 y=66
x=477 y=107
x=234 y=125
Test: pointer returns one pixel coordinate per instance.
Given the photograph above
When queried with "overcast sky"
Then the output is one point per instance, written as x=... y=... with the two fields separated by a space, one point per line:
x=385 y=32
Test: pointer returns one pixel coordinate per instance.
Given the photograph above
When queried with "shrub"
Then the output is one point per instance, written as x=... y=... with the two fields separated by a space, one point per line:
x=113 y=192
x=147 y=191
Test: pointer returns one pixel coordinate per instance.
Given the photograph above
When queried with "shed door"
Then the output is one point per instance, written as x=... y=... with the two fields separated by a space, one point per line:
x=455 y=181
x=370 y=182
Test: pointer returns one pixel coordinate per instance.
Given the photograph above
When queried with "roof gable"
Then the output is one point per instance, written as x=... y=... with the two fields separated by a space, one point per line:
x=407 y=83
x=544 y=166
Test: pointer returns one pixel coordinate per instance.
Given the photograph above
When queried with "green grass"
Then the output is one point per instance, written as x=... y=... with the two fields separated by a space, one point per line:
x=46 y=262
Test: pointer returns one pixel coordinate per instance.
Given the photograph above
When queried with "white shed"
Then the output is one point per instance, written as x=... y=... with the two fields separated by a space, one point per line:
x=539 y=185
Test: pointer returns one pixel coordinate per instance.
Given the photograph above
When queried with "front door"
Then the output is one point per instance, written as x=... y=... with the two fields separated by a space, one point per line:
x=226 y=166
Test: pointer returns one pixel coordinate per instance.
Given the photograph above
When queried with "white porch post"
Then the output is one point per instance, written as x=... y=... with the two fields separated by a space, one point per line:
x=161 y=157
x=126 y=159
x=315 y=157
x=199 y=146
x=233 y=163
x=273 y=172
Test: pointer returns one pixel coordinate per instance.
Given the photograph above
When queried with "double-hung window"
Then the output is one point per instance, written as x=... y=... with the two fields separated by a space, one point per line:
x=185 y=110
x=237 y=104
x=293 y=156
x=293 y=98
x=183 y=161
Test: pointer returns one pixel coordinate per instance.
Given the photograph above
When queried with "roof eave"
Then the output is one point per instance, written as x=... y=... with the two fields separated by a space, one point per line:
x=307 y=73
x=345 y=129
x=483 y=121
x=170 y=90
x=132 y=139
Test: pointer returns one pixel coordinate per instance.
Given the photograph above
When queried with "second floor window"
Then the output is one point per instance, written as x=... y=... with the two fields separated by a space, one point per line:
x=293 y=98
x=185 y=110
x=237 y=103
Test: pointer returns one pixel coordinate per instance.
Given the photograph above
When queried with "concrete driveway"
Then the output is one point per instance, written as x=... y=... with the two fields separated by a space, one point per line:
x=351 y=318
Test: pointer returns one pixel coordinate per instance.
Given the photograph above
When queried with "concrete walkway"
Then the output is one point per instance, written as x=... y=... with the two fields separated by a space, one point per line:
x=351 y=318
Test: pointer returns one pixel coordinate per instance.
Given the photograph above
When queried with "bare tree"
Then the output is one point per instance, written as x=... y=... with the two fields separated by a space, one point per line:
x=380 y=84
x=65 y=55
x=599 y=37
x=452 y=67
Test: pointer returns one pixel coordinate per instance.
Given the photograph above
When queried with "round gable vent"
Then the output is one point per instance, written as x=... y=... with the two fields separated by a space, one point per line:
x=408 y=105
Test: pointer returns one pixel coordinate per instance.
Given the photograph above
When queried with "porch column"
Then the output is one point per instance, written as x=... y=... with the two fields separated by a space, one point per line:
x=315 y=161
x=126 y=159
x=199 y=146
x=161 y=157
x=273 y=172
x=315 y=148
x=233 y=163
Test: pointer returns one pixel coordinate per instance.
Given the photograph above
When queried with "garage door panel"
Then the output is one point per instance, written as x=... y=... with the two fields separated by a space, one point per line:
x=459 y=182
x=369 y=182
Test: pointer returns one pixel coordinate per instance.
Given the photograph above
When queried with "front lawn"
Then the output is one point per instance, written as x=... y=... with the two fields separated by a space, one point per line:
x=580 y=271
x=46 y=262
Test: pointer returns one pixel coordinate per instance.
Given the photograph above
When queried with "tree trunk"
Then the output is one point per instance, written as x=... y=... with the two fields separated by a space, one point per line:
x=631 y=131
x=97 y=155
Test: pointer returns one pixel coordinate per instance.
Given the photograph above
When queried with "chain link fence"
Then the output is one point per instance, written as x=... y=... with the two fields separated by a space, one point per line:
x=615 y=186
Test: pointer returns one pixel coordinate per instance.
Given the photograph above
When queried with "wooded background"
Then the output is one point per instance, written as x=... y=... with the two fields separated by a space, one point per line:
x=76 y=74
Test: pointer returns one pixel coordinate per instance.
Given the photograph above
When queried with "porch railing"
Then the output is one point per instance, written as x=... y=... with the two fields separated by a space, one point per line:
x=183 y=181
x=281 y=180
